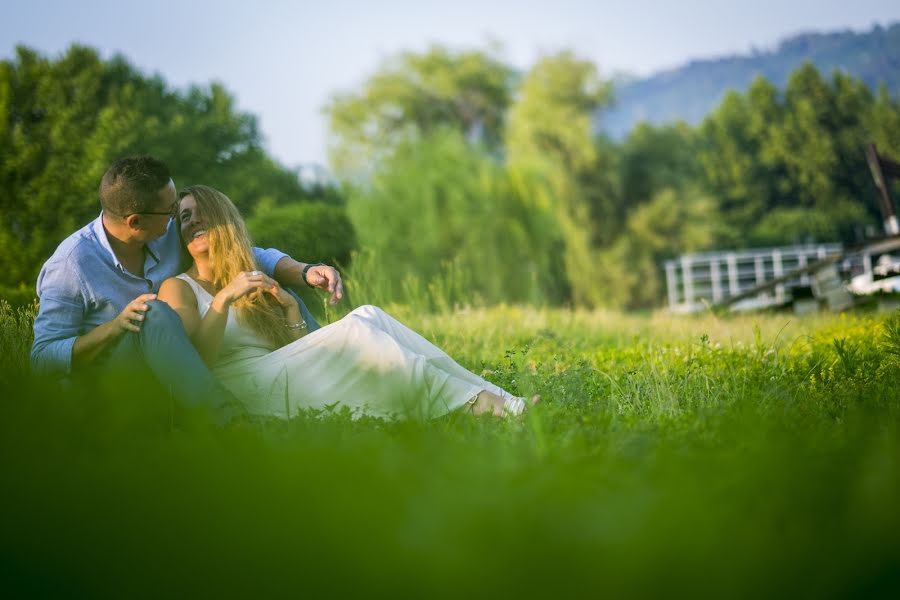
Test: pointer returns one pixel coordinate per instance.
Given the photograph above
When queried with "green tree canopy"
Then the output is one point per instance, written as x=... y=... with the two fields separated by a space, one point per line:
x=416 y=94
x=64 y=120
x=438 y=211
x=549 y=142
x=790 y=166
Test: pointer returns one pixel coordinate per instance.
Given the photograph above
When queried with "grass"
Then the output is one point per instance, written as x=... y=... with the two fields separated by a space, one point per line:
x=749 y=456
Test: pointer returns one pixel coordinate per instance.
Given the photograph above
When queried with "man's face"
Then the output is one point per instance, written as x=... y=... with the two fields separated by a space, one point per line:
x=154 y=222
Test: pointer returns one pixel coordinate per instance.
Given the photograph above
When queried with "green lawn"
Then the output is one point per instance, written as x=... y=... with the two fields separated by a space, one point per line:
x=751 y=456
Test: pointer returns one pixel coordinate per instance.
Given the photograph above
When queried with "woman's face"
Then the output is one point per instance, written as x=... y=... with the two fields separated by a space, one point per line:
x=193 y=231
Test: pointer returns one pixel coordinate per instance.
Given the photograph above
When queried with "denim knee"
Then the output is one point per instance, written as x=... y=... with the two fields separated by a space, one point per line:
x=160 y=316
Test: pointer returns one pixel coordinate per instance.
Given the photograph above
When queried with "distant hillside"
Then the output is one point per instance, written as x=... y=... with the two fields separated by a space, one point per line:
x=692 y=91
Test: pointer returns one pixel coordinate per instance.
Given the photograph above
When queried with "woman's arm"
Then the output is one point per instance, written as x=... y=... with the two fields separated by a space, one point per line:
x=209 y=333
x=293 y=317
x=291 y=309
x=206 y=333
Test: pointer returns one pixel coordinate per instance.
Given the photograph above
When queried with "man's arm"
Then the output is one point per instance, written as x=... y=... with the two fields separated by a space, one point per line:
x=58 y=347
x=289 y=273
x=89 y=346
x=59 y=320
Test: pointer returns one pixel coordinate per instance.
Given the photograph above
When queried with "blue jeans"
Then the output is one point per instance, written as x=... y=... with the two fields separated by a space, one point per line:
x=163 y=350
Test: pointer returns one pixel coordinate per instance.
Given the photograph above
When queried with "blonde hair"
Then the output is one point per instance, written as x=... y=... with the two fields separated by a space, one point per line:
x=230 y=252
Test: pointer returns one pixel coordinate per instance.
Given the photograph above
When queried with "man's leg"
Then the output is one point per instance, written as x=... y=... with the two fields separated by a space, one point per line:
x=162 y=346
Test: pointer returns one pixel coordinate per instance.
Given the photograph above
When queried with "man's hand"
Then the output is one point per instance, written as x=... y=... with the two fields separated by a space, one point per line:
x=89 y=346
x=327 y=279
x=130 y=318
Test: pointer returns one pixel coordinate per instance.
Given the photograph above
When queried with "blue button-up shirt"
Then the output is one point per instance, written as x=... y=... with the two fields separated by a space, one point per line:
x=84 y=285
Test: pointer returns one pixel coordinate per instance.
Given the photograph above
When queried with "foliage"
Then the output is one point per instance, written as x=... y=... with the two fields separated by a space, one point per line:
x=440 y=208
x=16 y=337
x=415 y=95
x=467 y=183
x=314 y=231
x=672 y=223
x=657 y=158
x=692 y=91
x=549 y=144
x=64 y=120
x=789 y=167
x=657 y=437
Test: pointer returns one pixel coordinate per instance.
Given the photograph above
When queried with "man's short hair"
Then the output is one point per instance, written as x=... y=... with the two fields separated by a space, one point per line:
x=131 y=185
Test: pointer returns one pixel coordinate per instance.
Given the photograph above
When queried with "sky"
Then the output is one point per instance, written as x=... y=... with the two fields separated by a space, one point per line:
x=282 y=60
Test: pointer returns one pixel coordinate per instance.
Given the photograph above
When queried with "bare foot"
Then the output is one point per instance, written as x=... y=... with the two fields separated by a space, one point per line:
x=486 y=402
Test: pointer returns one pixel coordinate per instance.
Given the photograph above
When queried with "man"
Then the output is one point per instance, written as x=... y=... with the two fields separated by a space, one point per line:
x=97 y=292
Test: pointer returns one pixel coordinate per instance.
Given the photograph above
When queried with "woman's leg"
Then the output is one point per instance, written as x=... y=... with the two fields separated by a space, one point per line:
x=406 y=337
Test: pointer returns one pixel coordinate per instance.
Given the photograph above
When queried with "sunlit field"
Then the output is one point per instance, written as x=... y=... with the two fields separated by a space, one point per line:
x=749 y=456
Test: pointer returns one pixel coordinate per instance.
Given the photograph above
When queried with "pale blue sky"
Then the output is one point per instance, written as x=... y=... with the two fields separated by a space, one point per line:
x=283 y=59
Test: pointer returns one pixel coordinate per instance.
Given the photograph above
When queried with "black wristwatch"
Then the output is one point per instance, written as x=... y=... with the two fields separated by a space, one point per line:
x=307 y=268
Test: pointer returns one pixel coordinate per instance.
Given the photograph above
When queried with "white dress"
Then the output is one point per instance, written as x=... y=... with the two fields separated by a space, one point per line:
x=367 y=361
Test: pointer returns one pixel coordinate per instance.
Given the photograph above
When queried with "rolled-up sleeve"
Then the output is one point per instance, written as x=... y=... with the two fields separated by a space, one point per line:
x=59 y=320
x=267 y=259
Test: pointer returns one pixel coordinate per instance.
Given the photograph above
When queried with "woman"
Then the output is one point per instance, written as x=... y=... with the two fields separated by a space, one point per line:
x=249 y=330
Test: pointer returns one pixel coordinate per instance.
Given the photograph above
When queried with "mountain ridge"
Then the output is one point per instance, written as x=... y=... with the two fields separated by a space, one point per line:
x=692 y=91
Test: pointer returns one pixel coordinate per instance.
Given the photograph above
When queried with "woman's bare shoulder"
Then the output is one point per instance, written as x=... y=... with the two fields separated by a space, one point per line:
x=176 y=289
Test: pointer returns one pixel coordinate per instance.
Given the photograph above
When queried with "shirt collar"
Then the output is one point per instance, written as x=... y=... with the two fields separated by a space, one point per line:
x=100 y=234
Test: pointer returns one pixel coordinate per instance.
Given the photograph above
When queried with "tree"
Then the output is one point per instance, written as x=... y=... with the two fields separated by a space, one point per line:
x=439 y=214
x=671 y=223
x=63 y=121
x=790 y=167
x=731 y=154
x=415 y=95
x=549 y=143
x=655 y=158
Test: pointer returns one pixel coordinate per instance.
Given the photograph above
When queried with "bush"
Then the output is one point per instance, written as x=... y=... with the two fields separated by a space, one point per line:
x=18 y=296
x=309 y=232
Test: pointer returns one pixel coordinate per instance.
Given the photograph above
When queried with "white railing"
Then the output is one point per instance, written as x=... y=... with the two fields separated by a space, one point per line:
x=694 y=281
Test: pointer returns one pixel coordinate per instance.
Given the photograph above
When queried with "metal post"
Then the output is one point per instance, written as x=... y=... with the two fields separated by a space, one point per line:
x=760 y=273
x=688 y=282
x=734 y=287
x=804 y=279
x=778 y=271
x=716 y=279
x=671 y=285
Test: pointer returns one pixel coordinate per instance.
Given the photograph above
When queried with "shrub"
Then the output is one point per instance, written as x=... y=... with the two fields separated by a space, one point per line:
x=310 y=232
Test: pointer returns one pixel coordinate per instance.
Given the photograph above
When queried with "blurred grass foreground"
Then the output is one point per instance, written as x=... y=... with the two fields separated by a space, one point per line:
x=739 y=457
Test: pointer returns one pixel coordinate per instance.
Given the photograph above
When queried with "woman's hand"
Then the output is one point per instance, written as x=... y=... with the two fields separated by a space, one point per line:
x=240 y=286
x=282 y=296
